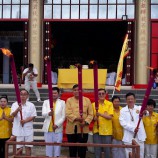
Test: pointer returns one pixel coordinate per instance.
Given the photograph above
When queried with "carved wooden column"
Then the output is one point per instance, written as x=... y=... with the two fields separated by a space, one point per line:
x=35 y=36
x=142 y=49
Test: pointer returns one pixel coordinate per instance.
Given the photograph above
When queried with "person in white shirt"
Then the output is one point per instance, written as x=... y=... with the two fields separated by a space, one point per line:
x=129 y=116
x=155 y=84
x=54 y=77
x=53 y=123
x=23 y=129
x=30 y=75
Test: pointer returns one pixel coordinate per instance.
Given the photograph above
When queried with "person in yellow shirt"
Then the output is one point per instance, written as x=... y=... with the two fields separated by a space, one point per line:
x=5 y=124
x=117 y=129
x=74 y=123
x=150 y=124
x=102 y=129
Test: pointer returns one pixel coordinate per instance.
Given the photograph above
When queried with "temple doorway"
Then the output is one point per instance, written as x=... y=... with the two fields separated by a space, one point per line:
x=80 y=42
x=12 y=38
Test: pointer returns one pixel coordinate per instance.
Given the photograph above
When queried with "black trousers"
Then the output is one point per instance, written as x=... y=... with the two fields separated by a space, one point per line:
x=75 y=151
x=2 y=147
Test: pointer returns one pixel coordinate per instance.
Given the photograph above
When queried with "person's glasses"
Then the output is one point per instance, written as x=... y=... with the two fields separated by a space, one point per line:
x=101 y=93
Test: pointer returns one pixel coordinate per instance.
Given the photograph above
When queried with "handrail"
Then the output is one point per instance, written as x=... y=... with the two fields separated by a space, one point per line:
x=135 y=147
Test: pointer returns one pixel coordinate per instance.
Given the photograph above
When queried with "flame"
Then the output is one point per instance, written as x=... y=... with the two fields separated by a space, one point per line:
x=6 y=52
x=91 y=62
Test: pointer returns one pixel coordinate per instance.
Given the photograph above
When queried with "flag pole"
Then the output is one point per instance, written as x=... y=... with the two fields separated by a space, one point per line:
x=124 y=53
x=113 y=91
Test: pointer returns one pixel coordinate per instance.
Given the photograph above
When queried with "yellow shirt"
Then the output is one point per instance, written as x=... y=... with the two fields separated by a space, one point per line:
x=5 y=126
x=50 y=129
x=105 y=125
x=150 y=128
x=72 y=112
x=117 y=128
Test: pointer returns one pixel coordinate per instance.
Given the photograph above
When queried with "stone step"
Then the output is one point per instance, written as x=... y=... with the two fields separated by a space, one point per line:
x=136 y=91
x=32 y=99
x=30 y=94
x=37 y=125
x=8 y=90
x=34 y=102
x=39 y=113
x=39 y=119
x=38 y=132
x=38 y=138
x=38 y=107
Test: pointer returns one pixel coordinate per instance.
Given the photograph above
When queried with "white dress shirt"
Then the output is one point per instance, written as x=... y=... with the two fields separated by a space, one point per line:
x=126 y=117
x=27 y=77
x=28 y=110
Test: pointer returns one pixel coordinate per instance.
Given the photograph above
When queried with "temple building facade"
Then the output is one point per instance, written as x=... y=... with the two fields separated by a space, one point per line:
x=77 y=31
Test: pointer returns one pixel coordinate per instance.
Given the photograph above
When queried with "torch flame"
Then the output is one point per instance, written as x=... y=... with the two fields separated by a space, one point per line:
x=92 y=62
x=6 y=52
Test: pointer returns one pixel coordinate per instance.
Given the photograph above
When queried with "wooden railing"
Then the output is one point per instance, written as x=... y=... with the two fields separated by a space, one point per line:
x=134 y=154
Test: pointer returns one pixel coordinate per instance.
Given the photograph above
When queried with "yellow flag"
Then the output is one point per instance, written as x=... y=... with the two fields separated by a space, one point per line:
x=123 y=54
